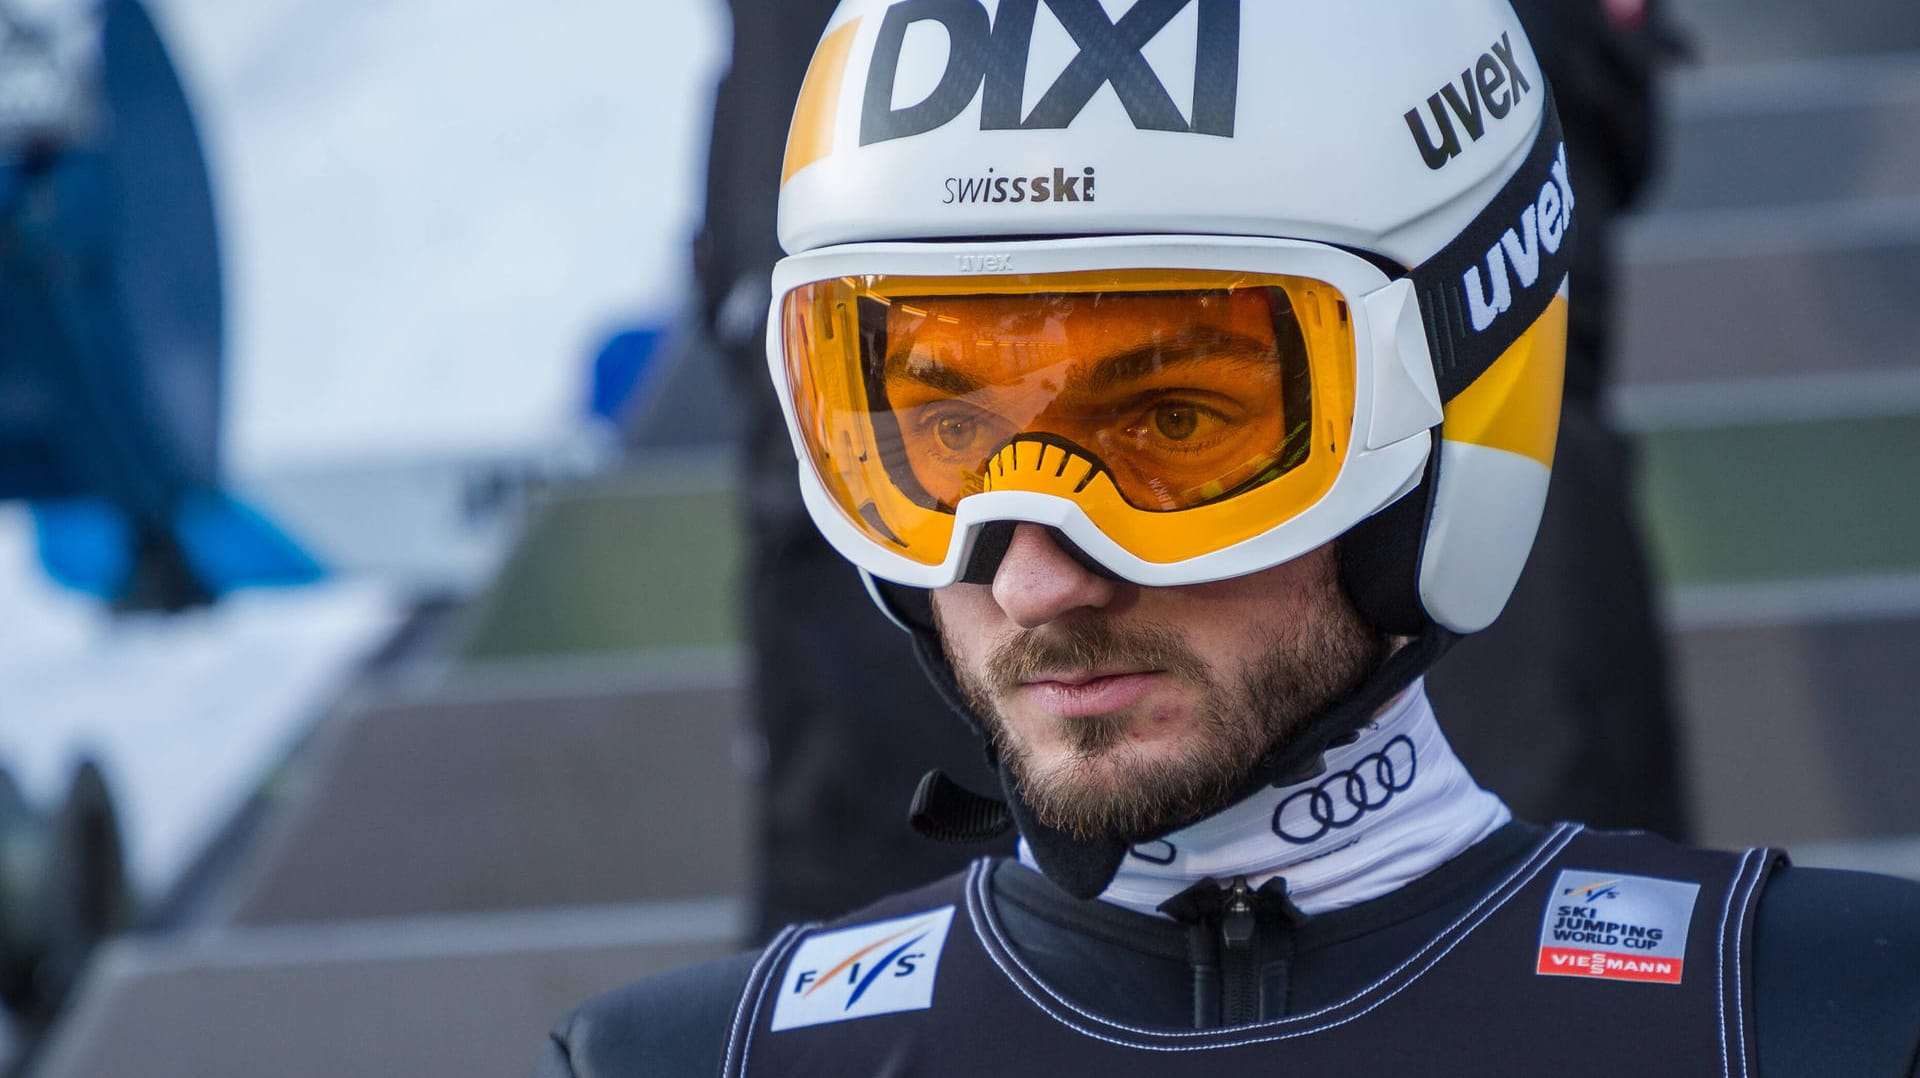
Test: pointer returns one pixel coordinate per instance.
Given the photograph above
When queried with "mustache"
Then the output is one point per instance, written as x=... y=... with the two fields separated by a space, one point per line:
x=1031 y=654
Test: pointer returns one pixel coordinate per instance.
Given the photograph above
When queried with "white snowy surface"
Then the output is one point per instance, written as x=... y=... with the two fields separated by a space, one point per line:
x=186 y=714
x=433 y=211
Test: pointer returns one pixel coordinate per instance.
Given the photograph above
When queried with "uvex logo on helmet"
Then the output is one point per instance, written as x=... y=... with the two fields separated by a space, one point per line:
x=992 y=52
x=1491 y=86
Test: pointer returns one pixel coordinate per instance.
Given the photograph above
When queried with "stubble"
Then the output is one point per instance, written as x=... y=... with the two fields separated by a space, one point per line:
x=1105 y=786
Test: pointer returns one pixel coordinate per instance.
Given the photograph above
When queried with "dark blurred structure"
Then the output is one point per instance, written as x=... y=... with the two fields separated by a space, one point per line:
x=454 y=867
x=63 y=891
x=111 y=322
x=849 y=721
x=1561 y=707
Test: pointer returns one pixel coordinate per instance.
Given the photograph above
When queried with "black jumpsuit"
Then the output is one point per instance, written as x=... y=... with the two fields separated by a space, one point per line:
x=1788 y=972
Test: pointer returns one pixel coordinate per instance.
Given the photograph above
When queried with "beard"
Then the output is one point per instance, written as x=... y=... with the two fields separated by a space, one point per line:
x=1104 y=786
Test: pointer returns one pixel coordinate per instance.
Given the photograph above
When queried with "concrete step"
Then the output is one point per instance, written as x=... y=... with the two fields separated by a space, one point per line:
x=1776 y=246
x=649 y=540
x=451 y=995
x=1794 y=133
x=1801 y=731
x=1743 y=294
x=1783 y=501
x=1749 y=31
x=1892 y=856
x=558 y=785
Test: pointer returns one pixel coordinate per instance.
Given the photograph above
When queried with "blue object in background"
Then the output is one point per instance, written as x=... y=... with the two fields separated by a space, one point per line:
x=230 y=545
x=111 y=315
x=662 y=388
x=85 y=544
x=620 y=369
x=89 y=545
x=111 y=305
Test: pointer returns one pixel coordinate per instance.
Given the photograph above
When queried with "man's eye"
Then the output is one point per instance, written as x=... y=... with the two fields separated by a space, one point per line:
x=957 y=433
x=1176 y=422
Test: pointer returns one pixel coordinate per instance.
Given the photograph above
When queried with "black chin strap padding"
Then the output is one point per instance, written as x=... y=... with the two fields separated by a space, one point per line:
x=945 y=811
x=933 y=662
x=1308 y=767
x=990 y=548
x=1081 y=867
x=1303 y=756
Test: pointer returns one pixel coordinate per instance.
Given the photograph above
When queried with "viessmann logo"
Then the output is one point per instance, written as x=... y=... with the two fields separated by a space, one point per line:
x=880 y=968
x=988 y=56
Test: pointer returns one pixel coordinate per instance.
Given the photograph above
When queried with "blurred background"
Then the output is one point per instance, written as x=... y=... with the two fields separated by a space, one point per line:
x=373 y=666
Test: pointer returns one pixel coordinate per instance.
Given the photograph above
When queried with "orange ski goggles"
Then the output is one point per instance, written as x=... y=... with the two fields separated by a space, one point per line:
x=1182 y=411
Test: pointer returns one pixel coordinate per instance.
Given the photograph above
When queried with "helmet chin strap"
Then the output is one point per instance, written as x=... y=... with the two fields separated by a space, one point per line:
x=1083 y=867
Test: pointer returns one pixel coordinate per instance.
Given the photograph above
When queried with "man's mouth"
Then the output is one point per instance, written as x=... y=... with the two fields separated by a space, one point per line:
x=1079 y=694
x=1086 y=676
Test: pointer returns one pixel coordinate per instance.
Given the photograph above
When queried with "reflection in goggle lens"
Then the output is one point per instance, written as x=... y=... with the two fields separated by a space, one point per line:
x=1183 y=397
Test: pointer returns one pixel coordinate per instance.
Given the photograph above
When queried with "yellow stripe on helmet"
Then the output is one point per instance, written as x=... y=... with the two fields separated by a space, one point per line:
x=1515 y=405
x=811 y=137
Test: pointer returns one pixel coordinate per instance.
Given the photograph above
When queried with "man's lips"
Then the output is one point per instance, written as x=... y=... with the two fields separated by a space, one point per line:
x=1074 y=696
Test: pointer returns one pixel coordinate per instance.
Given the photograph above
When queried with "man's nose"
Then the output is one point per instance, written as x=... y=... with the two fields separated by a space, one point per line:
x=1037 y=582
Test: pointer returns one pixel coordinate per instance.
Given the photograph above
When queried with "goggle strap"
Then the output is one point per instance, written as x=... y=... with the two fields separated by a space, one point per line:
x=1476 y=294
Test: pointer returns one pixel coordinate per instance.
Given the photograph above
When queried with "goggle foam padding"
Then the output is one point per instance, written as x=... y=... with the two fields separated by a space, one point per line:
x=990 y=549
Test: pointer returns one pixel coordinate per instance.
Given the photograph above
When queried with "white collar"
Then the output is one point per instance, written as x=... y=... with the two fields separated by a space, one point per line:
x=1390 y=807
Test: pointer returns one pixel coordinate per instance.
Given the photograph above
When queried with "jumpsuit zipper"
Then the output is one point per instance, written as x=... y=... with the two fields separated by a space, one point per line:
x=1239 y=958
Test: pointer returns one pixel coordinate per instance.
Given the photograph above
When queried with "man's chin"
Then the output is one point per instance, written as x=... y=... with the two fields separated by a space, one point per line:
x=1119 y=792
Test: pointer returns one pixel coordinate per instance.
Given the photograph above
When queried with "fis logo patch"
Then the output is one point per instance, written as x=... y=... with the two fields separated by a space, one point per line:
x=881 y=968
x=1613 y=927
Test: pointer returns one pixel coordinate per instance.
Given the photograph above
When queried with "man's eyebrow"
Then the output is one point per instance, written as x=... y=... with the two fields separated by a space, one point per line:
x=901 y=366
x=1192 y=344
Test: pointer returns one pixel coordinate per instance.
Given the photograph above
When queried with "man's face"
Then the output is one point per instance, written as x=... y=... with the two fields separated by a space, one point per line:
x=1124 y=710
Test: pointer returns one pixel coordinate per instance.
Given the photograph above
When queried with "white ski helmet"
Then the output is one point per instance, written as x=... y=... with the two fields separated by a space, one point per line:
x=1202 y=285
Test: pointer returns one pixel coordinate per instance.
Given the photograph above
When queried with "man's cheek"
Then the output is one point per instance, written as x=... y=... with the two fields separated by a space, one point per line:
x=968 y=658
x=957 y=622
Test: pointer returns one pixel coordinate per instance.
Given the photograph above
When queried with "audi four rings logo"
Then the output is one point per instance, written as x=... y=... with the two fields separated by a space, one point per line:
x=1342 y=798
